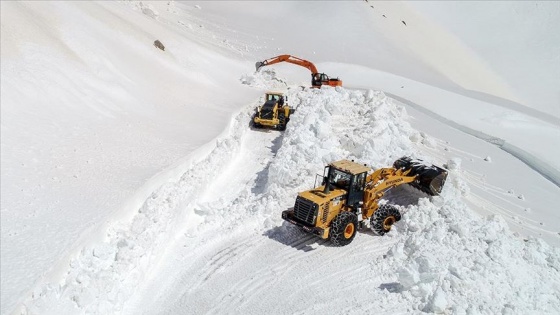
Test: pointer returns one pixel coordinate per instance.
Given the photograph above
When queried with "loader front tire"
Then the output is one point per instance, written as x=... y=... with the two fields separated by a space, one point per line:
x=384 y=218
x=343 y=228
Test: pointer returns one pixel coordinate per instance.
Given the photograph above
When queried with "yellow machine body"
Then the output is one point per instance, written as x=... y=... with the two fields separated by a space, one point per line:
x=354 y=188
x=275 y=112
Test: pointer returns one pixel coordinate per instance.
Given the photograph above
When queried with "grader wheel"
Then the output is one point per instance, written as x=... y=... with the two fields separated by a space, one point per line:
x=384 y=218
x=343 y=228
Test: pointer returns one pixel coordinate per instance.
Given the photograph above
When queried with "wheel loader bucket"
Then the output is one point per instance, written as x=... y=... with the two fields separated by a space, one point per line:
x=429 y=179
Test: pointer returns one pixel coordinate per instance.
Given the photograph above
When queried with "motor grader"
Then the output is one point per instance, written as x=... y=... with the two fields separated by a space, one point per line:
x=350 y=193
x=275 y=112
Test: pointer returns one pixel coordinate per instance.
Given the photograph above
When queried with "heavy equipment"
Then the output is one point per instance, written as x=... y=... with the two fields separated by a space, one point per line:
x=350 y=193
x=275 y=112
x=317 y=79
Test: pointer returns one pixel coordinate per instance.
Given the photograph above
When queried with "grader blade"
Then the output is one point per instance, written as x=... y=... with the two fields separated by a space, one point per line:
x=429 y=179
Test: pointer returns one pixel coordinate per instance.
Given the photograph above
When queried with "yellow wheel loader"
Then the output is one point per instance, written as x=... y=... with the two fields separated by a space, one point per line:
x=274 y=113
x=349 y=194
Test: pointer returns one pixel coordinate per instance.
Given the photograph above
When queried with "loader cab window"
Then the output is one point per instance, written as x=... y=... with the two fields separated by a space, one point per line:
x=356 y=194
x=340 y=179
x=359 y=182
x=273 y=97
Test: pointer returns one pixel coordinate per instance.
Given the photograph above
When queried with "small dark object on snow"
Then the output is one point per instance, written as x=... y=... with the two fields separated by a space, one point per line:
x=159 y=45
x=384 y=16
x=403 y=22
x=371 y=6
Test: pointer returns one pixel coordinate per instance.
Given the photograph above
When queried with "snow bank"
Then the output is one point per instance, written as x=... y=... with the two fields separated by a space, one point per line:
x=103 y=276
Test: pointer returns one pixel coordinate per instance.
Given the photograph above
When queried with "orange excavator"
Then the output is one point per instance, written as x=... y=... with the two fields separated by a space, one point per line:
x=317 y=79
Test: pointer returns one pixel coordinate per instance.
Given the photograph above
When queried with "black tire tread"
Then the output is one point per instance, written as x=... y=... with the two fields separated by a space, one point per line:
x=379 y=216
x=338 y=226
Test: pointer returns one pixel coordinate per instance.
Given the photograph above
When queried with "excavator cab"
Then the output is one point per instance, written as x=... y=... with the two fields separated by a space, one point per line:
x=319 y=79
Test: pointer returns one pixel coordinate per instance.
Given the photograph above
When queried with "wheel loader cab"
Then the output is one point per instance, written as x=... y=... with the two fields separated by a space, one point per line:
x=348 y=176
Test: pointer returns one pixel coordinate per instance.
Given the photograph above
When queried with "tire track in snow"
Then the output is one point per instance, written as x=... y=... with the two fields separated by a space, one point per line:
x=221 y=260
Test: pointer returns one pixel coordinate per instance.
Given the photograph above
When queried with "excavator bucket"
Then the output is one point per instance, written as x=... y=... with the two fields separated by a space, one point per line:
x=258 y=65
x=429 y=179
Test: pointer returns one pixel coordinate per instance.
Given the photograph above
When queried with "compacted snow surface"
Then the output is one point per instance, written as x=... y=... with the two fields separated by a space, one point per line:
x=156 y=197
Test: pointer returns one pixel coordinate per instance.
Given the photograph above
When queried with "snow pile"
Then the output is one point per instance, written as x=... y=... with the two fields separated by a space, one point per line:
x=450 y=259
x=334 y=123
x=265 y=79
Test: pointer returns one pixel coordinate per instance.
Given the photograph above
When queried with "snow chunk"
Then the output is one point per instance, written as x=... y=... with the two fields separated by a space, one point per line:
x=264 y=78
x=453 y=164
x=438 y=302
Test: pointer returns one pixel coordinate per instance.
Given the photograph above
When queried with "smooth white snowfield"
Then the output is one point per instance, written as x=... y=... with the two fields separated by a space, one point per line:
x=132 y=183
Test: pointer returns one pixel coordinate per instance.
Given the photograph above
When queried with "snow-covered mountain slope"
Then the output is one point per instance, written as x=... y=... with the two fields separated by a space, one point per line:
x=108 y=144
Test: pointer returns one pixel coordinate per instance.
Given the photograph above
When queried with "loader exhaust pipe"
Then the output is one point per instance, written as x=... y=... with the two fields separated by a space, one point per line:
x=429 y=179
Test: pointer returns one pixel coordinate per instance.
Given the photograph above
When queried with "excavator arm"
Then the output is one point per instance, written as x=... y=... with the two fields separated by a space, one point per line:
x=317 y=79
x=287 y=58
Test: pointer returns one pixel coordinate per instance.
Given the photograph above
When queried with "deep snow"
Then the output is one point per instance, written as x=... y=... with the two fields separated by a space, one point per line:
x=109 y=153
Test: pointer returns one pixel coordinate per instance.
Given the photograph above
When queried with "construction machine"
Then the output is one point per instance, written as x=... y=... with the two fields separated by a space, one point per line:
x=350 y=194
x=317 y=79
x=275 y=112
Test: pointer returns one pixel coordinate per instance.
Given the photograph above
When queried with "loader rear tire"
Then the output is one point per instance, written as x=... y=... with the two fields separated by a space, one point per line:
x=282 y=119
x=384 y=218
x=343 y=228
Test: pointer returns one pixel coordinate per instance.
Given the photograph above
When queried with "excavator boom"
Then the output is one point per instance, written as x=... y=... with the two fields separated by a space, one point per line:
x=317 y=79
x=287 y=58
